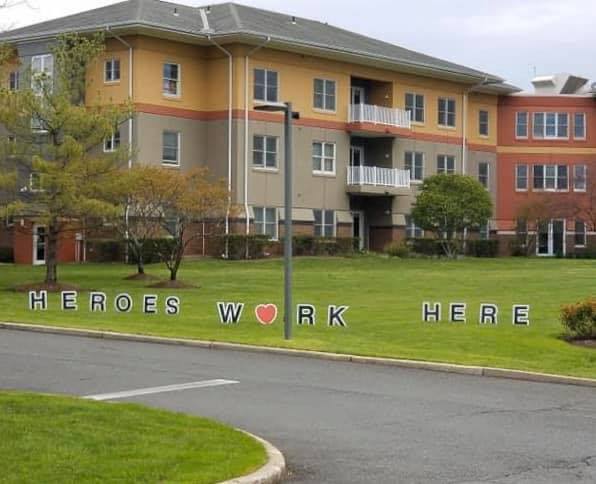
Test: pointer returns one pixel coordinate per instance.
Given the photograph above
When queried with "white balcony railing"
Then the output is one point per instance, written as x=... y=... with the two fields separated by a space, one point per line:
x=368 y=113
x=377 y=176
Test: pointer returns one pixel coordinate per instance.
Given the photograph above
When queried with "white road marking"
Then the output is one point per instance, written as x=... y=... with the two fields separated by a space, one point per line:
x=163 y=389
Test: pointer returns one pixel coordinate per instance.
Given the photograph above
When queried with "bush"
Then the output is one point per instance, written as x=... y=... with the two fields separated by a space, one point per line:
x=431 y=247
x=304 y=245
x=482 y=248
x=105 y=250
x=6 y=255
x=241 y=245
x=397 y=249
x=579 y=319
x=152 y=250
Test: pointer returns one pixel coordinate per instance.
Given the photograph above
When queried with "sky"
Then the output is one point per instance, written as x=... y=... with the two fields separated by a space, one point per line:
x=514 y=39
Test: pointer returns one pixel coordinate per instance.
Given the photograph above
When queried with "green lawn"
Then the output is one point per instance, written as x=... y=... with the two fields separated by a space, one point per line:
x=62 y=439
x=384 y=295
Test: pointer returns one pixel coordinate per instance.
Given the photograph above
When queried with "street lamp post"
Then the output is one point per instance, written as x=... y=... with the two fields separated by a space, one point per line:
x=289 y=116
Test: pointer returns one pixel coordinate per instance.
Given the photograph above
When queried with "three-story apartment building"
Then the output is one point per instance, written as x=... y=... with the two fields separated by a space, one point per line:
x=375 y=118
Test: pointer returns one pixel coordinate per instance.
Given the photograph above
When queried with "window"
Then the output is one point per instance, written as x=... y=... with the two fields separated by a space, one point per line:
x=580 y=233
x=483 y=123
x=484 y=231
x=483 y=173
x=112 y=143
x=446 y=164
x=521 y=125
x=324 y=223
x=579 y=178
x=42 y=71
x=112 y=70
x=415 y=163
x=324 y=94
x=266 y=221
x=323 y=157
x=551 y=177
x=170 y=148
x=412 y=230
x=579 y=125
x=266 y=85
x=521 y=177
x=551 y=125
x=447 y=112
x=13 y=80
x=264 y=151
x=171 y=79
x=415 y=106
x=35 y=182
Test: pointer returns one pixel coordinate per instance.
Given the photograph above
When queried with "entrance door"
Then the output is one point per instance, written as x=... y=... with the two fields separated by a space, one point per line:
x=358 y=95
x=39 y=245
x=356 y=155
x=551 y=238
x=358 y=228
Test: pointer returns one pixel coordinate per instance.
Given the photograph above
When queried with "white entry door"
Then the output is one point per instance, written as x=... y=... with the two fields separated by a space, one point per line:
x=551 y=238
x=39 y=245
x=358 y=95
x=356 y=155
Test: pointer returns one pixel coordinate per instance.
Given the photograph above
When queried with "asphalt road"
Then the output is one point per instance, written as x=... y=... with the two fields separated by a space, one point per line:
x=338 y=422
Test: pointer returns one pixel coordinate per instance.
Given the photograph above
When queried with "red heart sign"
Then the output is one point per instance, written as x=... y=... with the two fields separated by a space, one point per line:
x=266 y=313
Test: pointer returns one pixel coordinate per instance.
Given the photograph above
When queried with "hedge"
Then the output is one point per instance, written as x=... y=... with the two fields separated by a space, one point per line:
x=6 y=255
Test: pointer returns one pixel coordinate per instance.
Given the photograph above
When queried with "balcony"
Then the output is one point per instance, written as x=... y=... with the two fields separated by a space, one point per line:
x=368 y=118
x=376 y=180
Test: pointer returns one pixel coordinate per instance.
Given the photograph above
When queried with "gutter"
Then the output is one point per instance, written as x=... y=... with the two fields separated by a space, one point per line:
x=246 y=72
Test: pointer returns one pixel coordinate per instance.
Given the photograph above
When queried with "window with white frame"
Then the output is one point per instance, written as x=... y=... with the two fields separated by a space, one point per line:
x=521 y=178
x=483 y=127
x=415 y=106
x=266 y=85
x=170 y=148
x=446 y=112
x=483 y=174
x=35 y=182
x=414 y=161
x=324 y=94
x=323 y=157
x=266 y=222
x=14 y=80
x=551 y=177
x=551 y=125
x=446 y=164
x=264 y=151
x=171 y=79
x=579 y=125
x=484 y=231
x=521 y=125
x=112 y=143
x=580 y=233
x=42 y=72
x=580 y=177
x=324 y=223
x=112 y=70
x=413 y=231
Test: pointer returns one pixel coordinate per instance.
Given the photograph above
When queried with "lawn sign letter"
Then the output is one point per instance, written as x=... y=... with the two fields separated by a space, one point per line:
x=266 y=314
x=98 y=302
x=488 y=313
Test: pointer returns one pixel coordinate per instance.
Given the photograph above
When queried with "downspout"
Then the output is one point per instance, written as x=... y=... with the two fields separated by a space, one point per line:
x=230 y=114
x=130 y=125
x=246 y=72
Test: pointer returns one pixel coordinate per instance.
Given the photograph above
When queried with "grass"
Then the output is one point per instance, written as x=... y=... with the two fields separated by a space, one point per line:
x=61 y=439
x=384 y=296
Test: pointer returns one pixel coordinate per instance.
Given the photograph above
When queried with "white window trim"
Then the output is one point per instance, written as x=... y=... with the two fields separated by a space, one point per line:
x=527 y=177
x=415 y=94
x=322 y=171
x=264 y=232
x=581 y=190
x=488 y=174
x=178 y=81
x=111 y=61
x=17 y=78
x=447 y=99
x=543 y=189
x=178 y=151
x=111 y=138
x=412 y=180
x=585 y=243
x=264 y=167
x=323 y=224
x=446 y=171
x=556 y=137
x=325 y=81
x=481 y=135
x=31 y=189
x=42 y=58
x=583 y=137
x=527 y=124
x=260 y=101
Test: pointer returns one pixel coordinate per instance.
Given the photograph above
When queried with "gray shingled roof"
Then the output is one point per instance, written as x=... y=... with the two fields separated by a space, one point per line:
x=236 y=19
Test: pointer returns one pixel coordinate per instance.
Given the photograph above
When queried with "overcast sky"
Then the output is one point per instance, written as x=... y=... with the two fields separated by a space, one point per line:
x=510 y=38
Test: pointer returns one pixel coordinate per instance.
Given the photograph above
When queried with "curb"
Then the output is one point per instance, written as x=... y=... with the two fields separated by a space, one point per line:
x=412 y=364
x=271 y=473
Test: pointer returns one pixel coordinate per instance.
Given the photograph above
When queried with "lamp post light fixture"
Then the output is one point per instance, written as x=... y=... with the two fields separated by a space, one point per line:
x=289 y=116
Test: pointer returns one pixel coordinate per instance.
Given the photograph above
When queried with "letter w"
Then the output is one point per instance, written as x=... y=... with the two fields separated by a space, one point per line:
x=230 y=312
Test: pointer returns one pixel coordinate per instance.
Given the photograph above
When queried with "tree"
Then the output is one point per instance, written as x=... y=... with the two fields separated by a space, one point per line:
x=448 y=205
x=187 y=200
x=65 y=179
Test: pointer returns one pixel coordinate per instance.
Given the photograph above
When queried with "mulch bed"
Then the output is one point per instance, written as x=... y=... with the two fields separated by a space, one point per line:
x=140 y=277
x=42 y=286
x=586 y=343
x=173 y=285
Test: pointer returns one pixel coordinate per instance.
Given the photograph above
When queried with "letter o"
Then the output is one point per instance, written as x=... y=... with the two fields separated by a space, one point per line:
x=123 y=303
